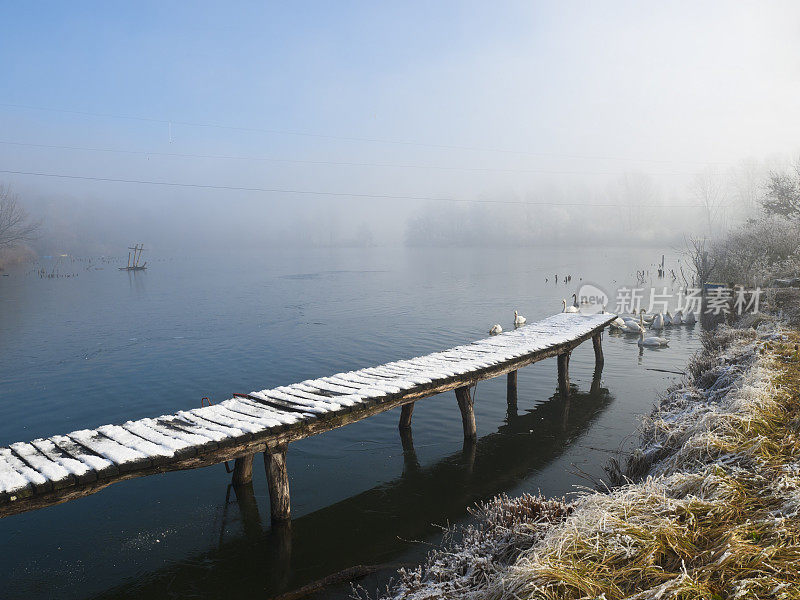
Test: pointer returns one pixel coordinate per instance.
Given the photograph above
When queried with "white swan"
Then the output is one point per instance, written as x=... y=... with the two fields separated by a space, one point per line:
x=568 y=309
x=690 y=318
x=653 y=342
x=667 y=319
x=658 y=322
x=678 y=318
x=631 y=327
x=496 y=329
x=617 y=323
x=519 y=319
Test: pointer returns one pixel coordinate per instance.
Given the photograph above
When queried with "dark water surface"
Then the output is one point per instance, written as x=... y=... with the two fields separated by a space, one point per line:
x=107 y=346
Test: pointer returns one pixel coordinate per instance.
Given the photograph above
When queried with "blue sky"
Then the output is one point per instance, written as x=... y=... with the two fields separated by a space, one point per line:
x=575 y=93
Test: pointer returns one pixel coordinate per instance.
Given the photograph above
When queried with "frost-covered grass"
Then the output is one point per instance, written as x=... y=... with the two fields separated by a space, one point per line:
x=709 y=507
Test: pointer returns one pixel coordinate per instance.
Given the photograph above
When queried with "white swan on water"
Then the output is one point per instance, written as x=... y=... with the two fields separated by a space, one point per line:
x=690 y=318
x=496 y=329
x=678 y=318
x=667 y=319
x=569 y=309
x=519 y=319
x=652 y=342
x=658 y=322
x=631 y=327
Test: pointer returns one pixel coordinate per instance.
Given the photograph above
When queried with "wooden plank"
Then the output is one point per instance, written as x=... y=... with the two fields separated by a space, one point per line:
x=38 y=482
x=298 y=397
x=102 y=466
x=157 y=453
x=125 y=459
x=80 y=471
x=224 y=435
x=174 y=426
x=181 y=448
x=13 y=484
x=58 y=476
x=267 y=400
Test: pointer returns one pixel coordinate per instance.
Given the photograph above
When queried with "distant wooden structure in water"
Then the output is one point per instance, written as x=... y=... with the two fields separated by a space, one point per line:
x=134 y=264
x=53 y=470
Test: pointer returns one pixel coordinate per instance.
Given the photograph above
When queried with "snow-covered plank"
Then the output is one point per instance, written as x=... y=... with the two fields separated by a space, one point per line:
x=13 y=484
x=80 y=471
x=256 y=408
x=180 y=448
x=58 y=476
x=209 y=418
x=100 y=465
x=192 y=424
x=294 y=402
x=39 y=482
x=383 y=386
x=308 y=393
x=406 y=374
x=125 y=458
x=269 y=419
x=348 y=394
x=264 y=399
x=155 y=452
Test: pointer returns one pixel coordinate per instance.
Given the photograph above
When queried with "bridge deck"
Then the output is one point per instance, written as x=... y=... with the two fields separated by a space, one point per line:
x=64 y=467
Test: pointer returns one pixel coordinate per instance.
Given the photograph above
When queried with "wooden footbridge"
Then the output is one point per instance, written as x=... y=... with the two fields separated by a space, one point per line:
x=65 y=467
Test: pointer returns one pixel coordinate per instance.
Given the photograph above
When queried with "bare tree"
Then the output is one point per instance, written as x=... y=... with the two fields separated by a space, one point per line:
x=707 y=190
x=15 y=226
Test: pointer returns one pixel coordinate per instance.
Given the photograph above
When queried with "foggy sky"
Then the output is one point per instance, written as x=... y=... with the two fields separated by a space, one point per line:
x=562 y=103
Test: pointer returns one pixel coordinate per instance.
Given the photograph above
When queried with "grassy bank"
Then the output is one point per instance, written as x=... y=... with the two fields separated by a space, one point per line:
x=709 y=507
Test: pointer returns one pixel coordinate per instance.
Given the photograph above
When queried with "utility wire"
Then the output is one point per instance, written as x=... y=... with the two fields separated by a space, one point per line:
x=337 y=194
x=309 y=162
x=350 y=138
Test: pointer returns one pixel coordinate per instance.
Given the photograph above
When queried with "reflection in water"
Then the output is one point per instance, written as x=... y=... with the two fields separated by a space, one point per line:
x=365 y=529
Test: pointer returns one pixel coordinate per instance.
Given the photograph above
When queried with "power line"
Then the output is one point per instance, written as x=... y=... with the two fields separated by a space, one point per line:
x=309 y=162
x=326 y=193
x=352 y=138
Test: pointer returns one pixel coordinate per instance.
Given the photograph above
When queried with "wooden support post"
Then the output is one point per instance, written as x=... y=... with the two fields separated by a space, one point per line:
x=278 y=483
x=563 y=374
x=468 y=453
x=511 y=391
x=405 y=415
x=243 y=470
x=596 y=380
x=465 y=403
x=597 y=342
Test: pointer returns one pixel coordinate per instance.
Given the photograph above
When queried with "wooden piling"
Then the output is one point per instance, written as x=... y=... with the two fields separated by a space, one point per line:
x=597 y=343
x=563 y=373
x=243 y=470
x=511 y=391
x=278 y=483
x=405 y=415
x=465 y=403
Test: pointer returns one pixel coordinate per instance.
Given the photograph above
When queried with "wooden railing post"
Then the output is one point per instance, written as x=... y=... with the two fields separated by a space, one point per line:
x=563 y=374
x=465 y=403
x=405 y=415
x=278 y=483
x=597 y=342
x=243 y=470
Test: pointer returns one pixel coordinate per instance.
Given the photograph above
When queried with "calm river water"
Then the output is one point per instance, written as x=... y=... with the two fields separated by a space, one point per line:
x=107 y=346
